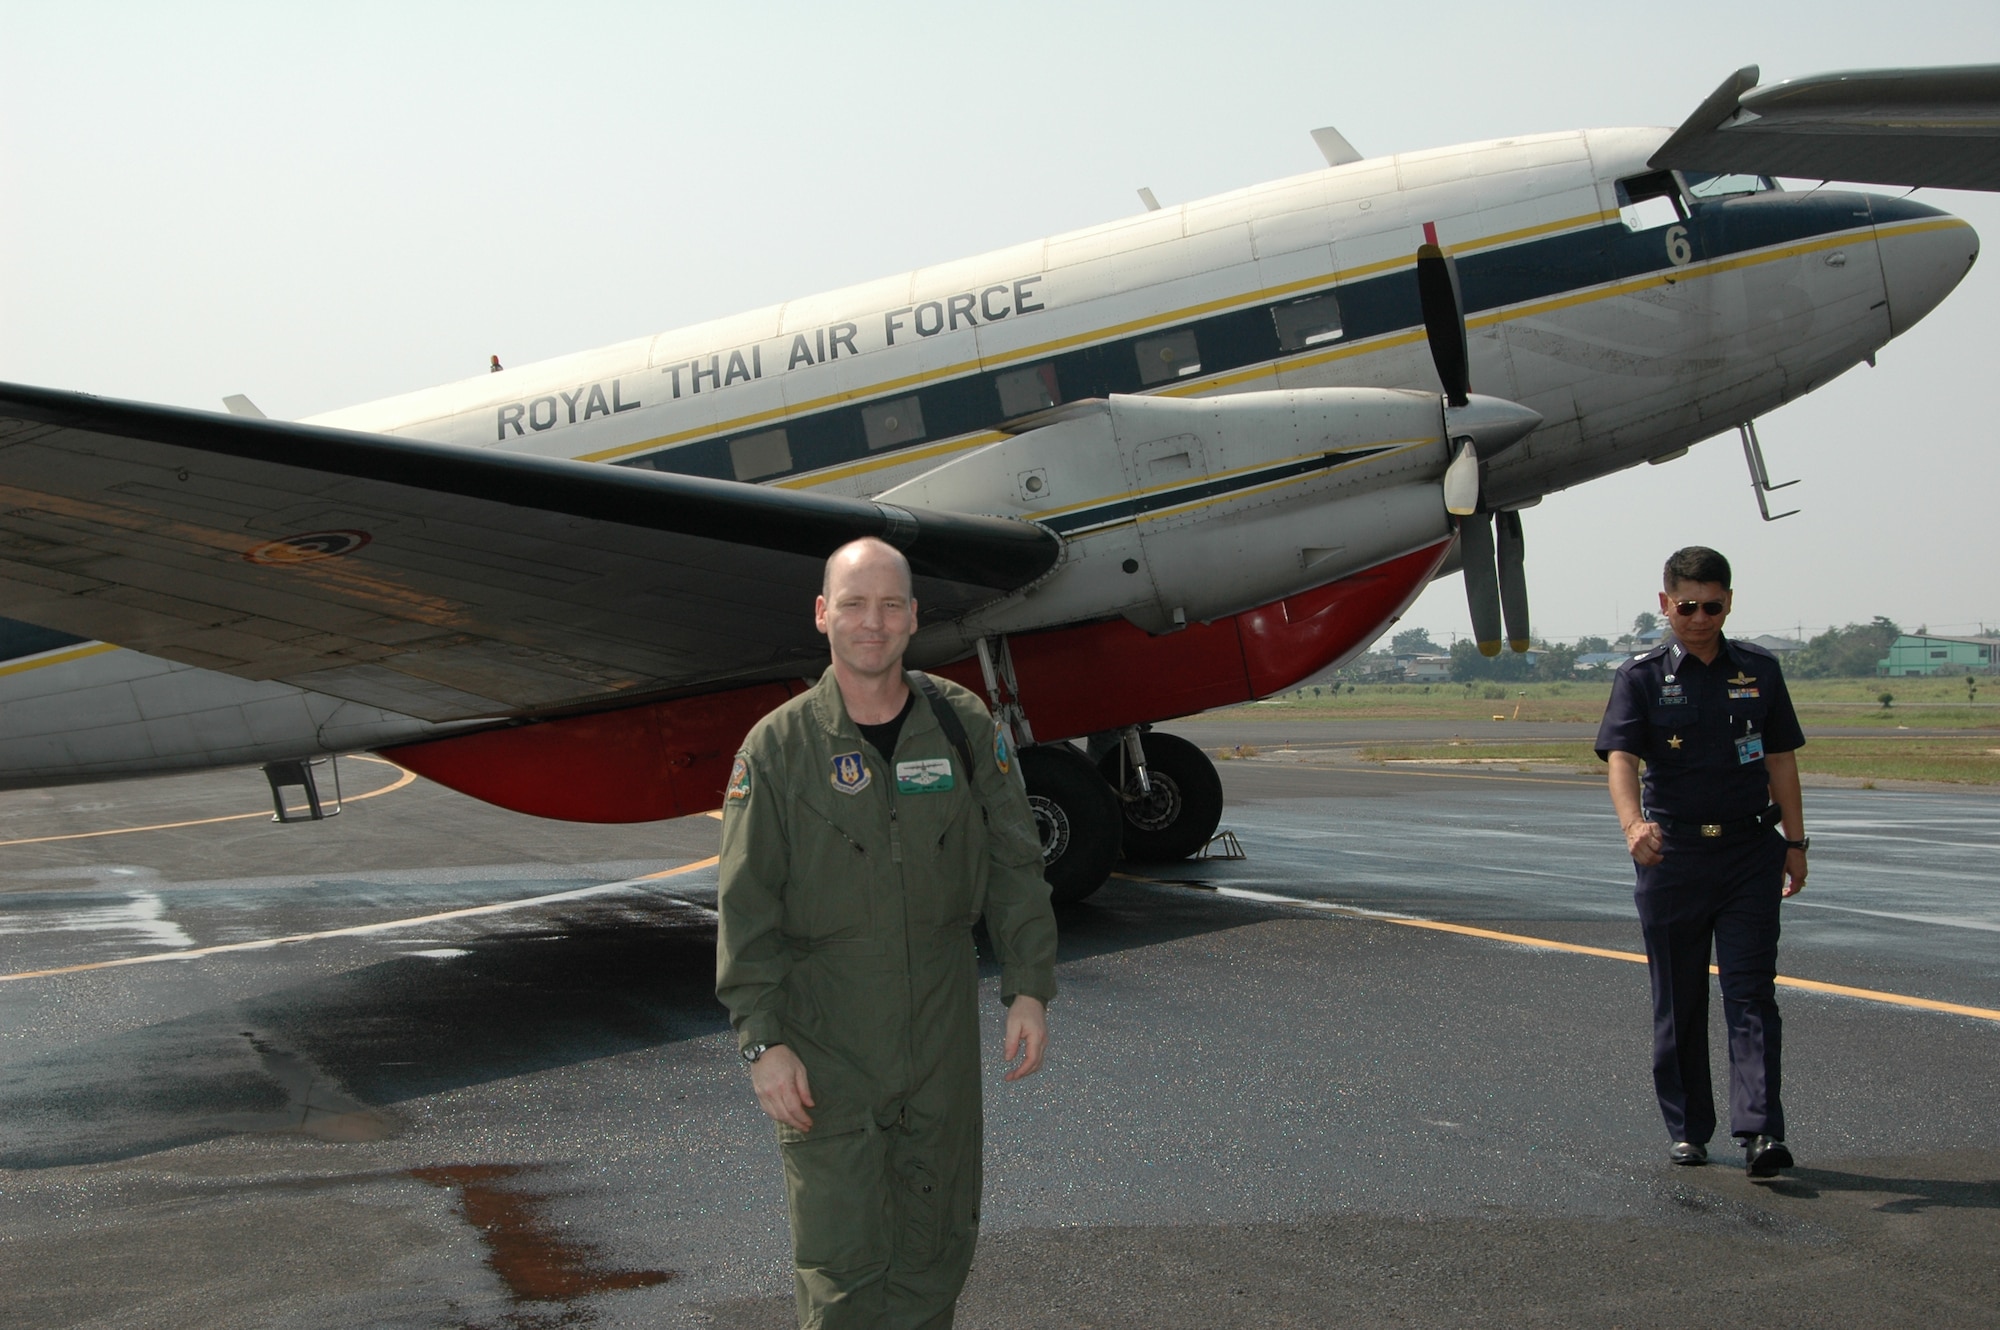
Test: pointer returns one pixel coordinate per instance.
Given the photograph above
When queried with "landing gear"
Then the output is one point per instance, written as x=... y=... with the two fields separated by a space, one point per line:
x=1078 y=817
x=1180 y=805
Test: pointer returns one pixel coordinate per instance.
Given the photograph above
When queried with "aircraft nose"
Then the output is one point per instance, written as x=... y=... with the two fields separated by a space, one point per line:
x=1922 y=260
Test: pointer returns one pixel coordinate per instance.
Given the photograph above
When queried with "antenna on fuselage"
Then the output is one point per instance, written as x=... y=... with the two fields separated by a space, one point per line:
x=1146 y=197
x=1333 y=146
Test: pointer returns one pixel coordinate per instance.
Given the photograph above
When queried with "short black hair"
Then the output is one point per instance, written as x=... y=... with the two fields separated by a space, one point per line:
x=1696 y=563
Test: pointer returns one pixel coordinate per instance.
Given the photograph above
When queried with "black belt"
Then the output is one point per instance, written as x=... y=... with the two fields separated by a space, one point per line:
x=1742 y=826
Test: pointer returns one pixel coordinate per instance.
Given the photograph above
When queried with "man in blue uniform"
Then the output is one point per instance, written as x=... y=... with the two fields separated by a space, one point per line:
x=1713 y=724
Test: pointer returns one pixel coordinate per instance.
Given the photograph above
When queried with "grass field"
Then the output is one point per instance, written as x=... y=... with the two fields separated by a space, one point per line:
x=1918 y=703
x=1974 y=760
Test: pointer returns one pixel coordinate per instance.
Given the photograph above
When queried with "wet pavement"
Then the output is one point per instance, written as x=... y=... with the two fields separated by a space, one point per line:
x=1275 y=1097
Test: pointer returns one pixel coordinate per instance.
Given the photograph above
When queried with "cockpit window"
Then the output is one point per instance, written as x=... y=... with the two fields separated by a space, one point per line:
x=1707 y=185
x=1650 y=200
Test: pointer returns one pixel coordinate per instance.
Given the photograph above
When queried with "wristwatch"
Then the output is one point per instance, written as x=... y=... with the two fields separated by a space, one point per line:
x=755 y=1051
x=1800 y=845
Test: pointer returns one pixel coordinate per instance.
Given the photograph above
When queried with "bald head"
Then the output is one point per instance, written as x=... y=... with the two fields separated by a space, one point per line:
x=867 y=556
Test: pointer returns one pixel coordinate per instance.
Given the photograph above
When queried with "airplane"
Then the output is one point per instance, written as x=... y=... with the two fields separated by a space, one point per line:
x=1180 y=460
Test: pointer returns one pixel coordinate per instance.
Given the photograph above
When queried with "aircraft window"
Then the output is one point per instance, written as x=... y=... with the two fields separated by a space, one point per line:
x=1704 y=185
x=1647 y=201
x=1174 y=356
x=1308 y=322
x=890 y=423
x=758 y=455
x=1023 y=391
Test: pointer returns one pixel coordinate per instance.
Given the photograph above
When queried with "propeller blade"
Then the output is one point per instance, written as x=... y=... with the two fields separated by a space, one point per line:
x=1482 y=586
x=1513 y=579
x=1444 y=322
x=1461 y=481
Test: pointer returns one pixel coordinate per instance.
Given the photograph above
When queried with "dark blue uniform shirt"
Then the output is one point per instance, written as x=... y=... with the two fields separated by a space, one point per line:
x=1685 y=719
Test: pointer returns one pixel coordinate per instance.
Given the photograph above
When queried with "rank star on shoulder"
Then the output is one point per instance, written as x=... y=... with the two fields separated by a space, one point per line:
x=1674 y=742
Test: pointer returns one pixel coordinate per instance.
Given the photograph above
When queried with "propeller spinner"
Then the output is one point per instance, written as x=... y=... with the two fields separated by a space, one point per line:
x=1475 y=426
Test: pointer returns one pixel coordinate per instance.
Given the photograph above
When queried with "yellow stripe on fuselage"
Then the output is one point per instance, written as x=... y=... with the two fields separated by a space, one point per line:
x=63 y=657
x=1041 y=349
x=1235 y=378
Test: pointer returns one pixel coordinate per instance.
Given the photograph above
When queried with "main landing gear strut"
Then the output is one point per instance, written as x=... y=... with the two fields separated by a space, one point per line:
x=1146 y=797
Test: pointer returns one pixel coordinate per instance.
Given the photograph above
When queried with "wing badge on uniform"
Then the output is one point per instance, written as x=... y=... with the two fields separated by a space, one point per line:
x=850 y=773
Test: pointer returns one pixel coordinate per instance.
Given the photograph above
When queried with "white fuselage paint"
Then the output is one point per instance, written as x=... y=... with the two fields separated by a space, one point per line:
x=1622 y=368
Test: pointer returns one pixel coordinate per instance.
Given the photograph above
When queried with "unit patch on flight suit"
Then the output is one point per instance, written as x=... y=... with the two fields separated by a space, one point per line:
x=1001 y=758
x=739 y=779
x=926 y=775
x=850 y=773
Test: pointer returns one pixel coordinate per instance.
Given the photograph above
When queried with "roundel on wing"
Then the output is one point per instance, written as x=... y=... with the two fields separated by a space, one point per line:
x=308 y=547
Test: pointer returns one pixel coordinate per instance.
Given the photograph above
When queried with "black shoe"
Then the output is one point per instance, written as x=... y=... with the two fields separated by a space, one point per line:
x=1763 y=1156
x=1687 y=1153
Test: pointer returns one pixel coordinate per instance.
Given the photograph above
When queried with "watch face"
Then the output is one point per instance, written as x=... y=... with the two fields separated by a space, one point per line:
x=755 y=1051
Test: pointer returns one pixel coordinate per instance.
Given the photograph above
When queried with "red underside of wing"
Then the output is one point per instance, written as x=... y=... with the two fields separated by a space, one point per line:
x=670 y=759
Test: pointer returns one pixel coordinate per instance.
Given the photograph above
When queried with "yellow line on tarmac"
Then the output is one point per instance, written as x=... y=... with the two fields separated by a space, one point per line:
x=406 y=778
x=358 y=930
x=1550 y=944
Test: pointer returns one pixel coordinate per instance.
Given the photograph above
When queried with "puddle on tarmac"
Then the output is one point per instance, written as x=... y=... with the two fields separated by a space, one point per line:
x=535 y=1261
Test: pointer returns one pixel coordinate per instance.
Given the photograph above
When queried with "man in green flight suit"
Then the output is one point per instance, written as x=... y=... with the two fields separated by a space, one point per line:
x=863 y=835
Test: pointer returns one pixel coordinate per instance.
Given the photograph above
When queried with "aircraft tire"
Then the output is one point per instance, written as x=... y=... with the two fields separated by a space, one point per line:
x=1078 y=817
x=1183 y=809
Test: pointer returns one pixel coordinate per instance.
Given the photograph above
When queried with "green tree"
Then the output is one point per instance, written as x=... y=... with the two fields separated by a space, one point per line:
x=1414 y=642
x=1554 y=661
x=1586 y=645
x=1467 y=663
x=1646 y=622
x=1852 y=652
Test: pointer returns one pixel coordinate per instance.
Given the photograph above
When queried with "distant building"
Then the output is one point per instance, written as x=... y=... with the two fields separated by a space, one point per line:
x=1601 y=660
x=1778 y=646
x=1918 y=653
x=1425 y=668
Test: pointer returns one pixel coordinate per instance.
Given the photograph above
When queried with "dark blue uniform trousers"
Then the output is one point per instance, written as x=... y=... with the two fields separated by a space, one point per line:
x=1726 y=894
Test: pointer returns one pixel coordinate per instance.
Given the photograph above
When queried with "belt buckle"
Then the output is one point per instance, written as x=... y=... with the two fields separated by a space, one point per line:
x=1711 y=829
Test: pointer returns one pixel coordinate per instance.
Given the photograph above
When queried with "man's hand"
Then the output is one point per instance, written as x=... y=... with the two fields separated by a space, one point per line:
x=1795 y=872
x=780 y=1081
x=1027 y=1036
x=1643 y=842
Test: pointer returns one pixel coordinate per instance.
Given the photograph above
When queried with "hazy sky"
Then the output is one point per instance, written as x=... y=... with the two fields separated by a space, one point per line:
x=320 y=205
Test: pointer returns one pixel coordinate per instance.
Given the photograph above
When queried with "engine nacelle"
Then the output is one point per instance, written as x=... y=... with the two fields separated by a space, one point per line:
x=1174 y=511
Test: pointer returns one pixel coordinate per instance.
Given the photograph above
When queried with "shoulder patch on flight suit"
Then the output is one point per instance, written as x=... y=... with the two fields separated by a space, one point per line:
x=850 y=773
x=739 y=779
x=1001 y=758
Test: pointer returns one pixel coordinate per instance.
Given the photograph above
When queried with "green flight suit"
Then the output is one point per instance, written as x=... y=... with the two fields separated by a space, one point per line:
x=848 y=899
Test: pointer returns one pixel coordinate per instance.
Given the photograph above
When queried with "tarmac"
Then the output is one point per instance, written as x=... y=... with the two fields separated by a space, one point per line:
x=431 y=1064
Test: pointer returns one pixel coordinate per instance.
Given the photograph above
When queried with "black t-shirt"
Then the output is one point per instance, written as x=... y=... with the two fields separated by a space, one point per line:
x=1685 y=718
x=882 y=738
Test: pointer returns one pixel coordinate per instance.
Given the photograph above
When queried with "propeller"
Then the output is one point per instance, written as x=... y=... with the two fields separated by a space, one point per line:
x=1475 y=426
x=1444 y=318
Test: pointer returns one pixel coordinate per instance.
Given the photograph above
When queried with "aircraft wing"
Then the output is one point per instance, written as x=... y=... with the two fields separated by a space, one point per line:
x=1937 y=127
x=436 y=580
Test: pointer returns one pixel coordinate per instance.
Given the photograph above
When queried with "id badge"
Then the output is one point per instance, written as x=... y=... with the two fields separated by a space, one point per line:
x=1750 y=748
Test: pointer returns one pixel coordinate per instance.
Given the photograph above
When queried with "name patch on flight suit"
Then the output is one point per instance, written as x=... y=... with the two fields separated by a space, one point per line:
x=926 y=775
x=850 y=773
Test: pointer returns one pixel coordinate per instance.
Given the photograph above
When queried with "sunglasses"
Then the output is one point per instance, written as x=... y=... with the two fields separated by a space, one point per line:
x=1686 y=608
